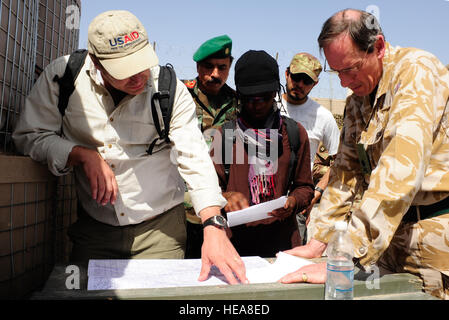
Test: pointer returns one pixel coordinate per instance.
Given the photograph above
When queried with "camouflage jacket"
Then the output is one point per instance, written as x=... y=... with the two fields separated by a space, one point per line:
x=405 y=138
x=212 y=112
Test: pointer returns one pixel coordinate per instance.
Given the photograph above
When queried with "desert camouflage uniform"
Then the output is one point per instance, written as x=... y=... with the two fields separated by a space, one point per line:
x=406 y=140
x=321 y=164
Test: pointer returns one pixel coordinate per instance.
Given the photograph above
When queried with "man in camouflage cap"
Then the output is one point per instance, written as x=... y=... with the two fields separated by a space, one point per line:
x=216 y=103
x=390 y=179
x=301 y=77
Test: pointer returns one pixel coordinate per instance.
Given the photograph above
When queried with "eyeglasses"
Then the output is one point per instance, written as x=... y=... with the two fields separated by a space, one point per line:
x=297 y=77
x=256 y=99
x=351 y=71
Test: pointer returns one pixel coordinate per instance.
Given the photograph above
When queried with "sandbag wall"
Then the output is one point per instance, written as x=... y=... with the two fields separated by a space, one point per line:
x=36 y=208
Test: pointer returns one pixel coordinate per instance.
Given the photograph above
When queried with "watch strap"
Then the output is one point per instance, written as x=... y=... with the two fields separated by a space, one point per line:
x=216 y=221
x=319 y=190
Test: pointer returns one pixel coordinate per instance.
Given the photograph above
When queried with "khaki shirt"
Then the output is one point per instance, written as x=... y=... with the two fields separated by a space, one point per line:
x=148 y=185
x=406 y=139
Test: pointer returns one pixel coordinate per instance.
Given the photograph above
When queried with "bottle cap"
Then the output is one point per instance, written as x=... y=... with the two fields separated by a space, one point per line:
x=341 y=225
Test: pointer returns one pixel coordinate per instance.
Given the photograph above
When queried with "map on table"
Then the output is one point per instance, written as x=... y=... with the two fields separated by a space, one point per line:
x=165 y=273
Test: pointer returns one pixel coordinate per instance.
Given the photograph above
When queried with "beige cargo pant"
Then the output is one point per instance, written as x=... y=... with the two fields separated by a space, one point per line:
x=422 y=248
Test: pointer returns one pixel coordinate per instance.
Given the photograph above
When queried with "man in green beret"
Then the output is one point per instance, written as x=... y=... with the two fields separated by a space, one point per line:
x=216 y=103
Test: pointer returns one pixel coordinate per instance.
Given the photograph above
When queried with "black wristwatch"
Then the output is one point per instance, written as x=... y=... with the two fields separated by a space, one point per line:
x=216 y=221
x=319 y=190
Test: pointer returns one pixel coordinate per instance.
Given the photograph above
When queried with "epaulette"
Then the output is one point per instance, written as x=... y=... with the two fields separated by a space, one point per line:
x=190 y=83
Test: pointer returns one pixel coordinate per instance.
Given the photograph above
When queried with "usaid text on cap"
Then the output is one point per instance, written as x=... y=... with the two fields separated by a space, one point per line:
x=123 y=40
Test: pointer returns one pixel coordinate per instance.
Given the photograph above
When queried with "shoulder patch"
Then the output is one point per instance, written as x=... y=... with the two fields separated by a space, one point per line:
x=190 y=83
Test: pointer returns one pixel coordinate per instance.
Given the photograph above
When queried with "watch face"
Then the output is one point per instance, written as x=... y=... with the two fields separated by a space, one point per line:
x=221 y=221
x=217 y=221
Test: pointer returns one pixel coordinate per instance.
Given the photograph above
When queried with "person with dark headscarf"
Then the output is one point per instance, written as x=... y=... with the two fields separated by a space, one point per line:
x=262 y=142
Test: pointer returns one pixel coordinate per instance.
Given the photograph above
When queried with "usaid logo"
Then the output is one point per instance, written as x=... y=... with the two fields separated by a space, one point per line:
x=123 y=40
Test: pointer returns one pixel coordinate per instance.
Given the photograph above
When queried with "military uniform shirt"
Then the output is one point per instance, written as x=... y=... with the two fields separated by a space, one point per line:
x=405 y=137
x=212 y=112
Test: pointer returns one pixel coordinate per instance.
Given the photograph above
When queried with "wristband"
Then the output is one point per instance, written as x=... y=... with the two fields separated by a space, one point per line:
x=319 y=190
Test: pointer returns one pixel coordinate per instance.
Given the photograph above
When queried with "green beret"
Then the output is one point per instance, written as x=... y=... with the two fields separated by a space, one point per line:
x=218 y=47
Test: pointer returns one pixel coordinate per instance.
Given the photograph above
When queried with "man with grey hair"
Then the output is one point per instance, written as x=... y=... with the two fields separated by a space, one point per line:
x=131 y=201
x=390 y=178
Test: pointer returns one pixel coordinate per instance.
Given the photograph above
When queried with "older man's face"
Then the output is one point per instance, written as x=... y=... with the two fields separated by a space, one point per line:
x=212 y=74
x=358 y=70
x=133 y=85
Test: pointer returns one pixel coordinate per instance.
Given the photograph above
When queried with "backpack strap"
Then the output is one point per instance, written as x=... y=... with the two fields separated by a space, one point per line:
x=200 y=103
x=166 y=97
x=67 y=81
x=293 y=139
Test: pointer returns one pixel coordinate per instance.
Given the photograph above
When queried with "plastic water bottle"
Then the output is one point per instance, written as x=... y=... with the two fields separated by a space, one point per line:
x=340 y=268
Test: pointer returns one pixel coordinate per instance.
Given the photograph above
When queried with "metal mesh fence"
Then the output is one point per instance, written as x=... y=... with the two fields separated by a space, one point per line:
x=26 y=234
x=36 y=208
x=17 y=52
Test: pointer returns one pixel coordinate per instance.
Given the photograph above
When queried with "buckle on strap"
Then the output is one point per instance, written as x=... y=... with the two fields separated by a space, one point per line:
x=162 y=94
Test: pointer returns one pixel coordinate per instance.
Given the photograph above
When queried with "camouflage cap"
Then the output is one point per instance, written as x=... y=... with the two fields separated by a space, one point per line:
x=218 y=47
x=306 y=63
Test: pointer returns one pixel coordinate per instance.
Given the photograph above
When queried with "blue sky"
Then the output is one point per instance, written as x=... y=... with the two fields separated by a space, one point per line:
x=280 y=27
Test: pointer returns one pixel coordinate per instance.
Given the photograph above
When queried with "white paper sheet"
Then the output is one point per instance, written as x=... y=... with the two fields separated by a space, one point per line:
x=255 y=213
x=156 y=273
x=283 y=265
x=165 y=273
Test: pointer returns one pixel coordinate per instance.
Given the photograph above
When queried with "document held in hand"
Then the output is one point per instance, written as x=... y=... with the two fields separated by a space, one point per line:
x=255 y=213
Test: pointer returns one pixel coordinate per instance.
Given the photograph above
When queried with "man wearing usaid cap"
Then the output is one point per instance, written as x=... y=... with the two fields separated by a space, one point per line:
x=130 y=202
x=120 y=43
x=301 y=76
